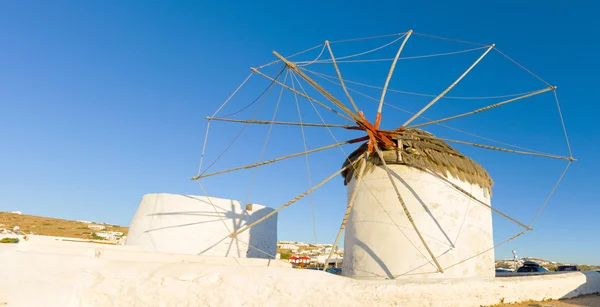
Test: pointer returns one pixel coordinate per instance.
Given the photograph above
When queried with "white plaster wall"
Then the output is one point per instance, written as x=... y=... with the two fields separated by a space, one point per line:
x=45 y=278
x=455 y=227
x=67 y=247
x=186 y=224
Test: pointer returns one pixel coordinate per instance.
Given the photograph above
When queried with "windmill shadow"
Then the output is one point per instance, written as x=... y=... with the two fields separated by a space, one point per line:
x=590 y=286
x=222 y=217
x=418 y=198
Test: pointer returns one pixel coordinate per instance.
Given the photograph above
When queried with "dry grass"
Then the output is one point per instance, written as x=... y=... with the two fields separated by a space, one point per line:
x=592 y=300
x=51 y=226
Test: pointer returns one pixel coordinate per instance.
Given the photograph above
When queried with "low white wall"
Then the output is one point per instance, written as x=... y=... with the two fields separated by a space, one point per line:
x=380 y=241
x=58 y=246
x=186 y=224
x=32 y=278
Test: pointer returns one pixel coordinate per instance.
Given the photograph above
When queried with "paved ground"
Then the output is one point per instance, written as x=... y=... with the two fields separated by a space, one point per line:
x=584 y=301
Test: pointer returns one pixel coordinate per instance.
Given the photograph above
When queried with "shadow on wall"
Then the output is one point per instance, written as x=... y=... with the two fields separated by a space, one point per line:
x=590 y=286
x=381 y=263
x=420 y=200
x=220 y=219
x=376 y=258
x=259 y=242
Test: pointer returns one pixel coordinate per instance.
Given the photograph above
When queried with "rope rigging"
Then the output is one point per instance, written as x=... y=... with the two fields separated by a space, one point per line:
x=432 y=122
x=306 y=96
x=485 y=108
x=266 y=140
x=214 y=114
x=365 y=52
x=310 y=196
x=324 y=76
x=400 y=59
x=242 y=129
x=259 y=96
x=204 y=175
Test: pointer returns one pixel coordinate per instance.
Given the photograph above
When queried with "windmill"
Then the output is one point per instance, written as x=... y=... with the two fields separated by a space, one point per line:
x=395 y=158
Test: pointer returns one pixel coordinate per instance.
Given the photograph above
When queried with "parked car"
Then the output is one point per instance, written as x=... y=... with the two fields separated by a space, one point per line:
x=336 y=271
x=562 y=268
x=531 y=267
x=501 y=270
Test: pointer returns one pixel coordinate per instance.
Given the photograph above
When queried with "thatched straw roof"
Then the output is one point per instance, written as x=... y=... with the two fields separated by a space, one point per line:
x=420 y=149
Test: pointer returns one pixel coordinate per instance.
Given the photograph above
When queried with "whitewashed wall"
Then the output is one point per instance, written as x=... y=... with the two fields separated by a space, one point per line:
x=60 y=275
x=186 y=224
x=454 y=226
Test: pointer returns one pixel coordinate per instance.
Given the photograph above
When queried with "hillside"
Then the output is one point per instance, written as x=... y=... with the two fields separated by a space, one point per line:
x=54 y=227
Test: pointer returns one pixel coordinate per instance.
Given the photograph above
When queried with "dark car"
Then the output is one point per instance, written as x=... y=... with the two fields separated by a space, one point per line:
x=336 y=271
x=531 y=267
x=564 y=268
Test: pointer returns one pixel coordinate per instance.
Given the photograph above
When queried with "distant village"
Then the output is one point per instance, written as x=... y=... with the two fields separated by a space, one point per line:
x=305 y=254
x=100 y=232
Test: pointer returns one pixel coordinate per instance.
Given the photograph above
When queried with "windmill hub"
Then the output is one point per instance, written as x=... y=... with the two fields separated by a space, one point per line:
x=383 y=138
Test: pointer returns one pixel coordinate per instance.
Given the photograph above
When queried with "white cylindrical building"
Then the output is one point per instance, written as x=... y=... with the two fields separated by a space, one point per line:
x=187 y=224
x=380 y=241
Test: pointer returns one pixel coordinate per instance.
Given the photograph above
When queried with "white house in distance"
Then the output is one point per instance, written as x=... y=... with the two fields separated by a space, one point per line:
x=96 y=227
x=110 y=235
x=321 y=259
x=289 y=246
x=325 y=250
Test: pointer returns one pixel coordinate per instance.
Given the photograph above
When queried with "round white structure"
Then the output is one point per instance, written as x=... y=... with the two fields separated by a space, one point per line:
x=380 y=241
x=186 y=224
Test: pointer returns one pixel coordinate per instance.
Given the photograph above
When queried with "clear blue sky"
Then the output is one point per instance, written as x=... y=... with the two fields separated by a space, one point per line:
x=102 y=102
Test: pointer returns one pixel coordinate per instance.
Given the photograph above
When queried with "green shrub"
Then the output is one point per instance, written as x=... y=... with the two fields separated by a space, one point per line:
x=9 y=240
x=97 y=237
